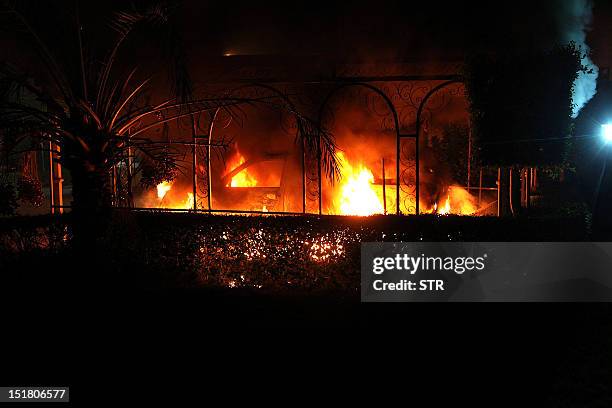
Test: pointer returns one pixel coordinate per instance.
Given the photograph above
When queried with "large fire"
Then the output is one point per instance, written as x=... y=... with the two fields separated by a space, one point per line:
x=357 y=194
x=242 y=178
x=458 y=201
x=166 y=202
x=163 y=188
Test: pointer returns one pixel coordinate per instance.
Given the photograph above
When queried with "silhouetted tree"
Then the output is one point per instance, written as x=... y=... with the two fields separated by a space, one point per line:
x=521 y=107
x=98 y=118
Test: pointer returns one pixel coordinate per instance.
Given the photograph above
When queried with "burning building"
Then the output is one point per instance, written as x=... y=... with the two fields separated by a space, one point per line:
x=375 y=113
x=398 y=122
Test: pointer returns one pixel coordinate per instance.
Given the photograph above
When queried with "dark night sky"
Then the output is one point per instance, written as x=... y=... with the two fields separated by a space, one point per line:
x=356 y=30
x=359 y=31
x=367 y=29
x=383 y=29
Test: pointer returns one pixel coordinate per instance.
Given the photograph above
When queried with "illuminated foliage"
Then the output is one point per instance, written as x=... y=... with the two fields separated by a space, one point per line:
x=154 y=172
x=97 y=110
x=30 y=190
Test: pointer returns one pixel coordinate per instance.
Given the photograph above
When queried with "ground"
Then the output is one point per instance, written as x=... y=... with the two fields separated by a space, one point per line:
x=58 y=303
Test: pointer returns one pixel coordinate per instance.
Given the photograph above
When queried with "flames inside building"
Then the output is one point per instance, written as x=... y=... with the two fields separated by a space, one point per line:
x=251 y=160
x=254 y=162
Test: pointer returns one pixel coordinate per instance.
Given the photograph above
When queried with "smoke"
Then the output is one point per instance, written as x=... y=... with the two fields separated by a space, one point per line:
x=574 y=18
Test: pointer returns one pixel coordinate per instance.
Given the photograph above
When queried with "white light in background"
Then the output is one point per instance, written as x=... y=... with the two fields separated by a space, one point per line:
x=606 y=133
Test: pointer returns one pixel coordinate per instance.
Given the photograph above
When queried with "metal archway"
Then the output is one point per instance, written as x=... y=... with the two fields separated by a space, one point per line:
x=418 y=131
x=398 y=135
x=325 y=102
x=293 y=110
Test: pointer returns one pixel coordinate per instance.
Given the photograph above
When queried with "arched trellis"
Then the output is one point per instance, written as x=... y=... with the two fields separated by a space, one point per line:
x=337 y=85
x=418 y=132
x=399 y=136
x=396 y=126
x=299 y=135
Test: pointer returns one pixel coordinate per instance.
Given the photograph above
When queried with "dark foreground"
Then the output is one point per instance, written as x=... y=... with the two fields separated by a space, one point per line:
x=151 y=288
x=275 y=255
x=551 y=355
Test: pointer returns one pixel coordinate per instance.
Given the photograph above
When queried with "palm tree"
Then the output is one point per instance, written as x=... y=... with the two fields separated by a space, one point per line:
x=98 y=119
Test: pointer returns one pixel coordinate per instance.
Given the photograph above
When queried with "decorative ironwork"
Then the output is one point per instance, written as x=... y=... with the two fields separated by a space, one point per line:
x=405 y=108
x=360 y=92
x=311 y=181
x=408 y=176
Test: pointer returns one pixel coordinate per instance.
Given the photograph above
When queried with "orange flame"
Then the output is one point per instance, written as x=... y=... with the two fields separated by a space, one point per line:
x=167 y=202
x=458 y=201
x=162 y=189
x=243 y=178
x=446 y=208
x=357 y=195
x=188 y=204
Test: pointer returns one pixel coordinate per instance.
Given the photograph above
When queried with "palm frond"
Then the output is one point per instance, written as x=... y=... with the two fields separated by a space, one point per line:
x=124 y=23
x=126 y=101
x=112 y=103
